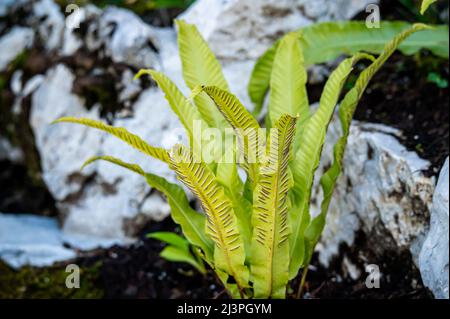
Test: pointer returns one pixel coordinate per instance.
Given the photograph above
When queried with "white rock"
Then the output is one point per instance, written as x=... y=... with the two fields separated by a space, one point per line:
x=237 y=73
x=123 y=35
x=244 y=29
x=382 y=191
x=14 y=43
x=99 y=200
x=154 y=203
x=127 y=38
x=129 y=88
x=433 y=261
x=49 y=22
x=38 y=241
x=32 y=84
x=60 y=145
x=31 y=240
x=71 y=41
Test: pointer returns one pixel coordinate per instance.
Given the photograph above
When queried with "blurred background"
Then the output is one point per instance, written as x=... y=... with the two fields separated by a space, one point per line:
x=78 y=58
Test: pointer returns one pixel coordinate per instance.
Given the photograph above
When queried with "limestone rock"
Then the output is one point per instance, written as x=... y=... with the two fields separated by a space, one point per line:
x=126 y=38
x=433 y=261
x=382 y=191
x=38 y=241
x=49 y=22
x=14 y=43
x=97 y=200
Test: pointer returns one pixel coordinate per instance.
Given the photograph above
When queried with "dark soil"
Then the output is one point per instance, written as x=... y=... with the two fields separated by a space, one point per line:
x=17 y=199
x=139 y=272
x=403 y=95
x=409 y=93
x=400 y=279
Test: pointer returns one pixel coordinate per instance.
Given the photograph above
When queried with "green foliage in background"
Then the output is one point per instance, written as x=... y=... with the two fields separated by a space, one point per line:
x=256 y=233
x=327 y=41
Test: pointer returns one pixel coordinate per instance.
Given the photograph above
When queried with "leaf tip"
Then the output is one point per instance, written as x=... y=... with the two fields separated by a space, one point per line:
x=142 y=72
x=60 y=120
x=88 y=162
x=422 y=26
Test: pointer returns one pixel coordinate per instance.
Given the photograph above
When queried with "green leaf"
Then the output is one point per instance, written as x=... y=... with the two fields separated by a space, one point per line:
x=245 y=125
x=260 y=79
x=326 y=41
x=227 y=175
x=171 y=239
x=270 y=243
x=186 y=112
x=132 y=167
x=221 y=226
x=308 y=156
x=346 y=112
x=191 y=222
x=176 y=254
x=425 y=5
x=121 y=133
x=437 y=79
x=200 y=67
x=167 y=4
x=288 y=81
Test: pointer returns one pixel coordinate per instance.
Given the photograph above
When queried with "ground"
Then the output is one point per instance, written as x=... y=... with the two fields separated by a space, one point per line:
x=139 y=272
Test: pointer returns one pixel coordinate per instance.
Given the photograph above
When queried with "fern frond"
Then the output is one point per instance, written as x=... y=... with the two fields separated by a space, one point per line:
x=227 y=176
x=245 y=125
x=346 y=112
x=221 y=225
x=260 y=79
x=132 y=167
x=200 y=67
x=425 y=5
x=270 y=244
x=186 y=112
x=288 y=81
x=121 y=133
x=192 y=223
x=308 y=156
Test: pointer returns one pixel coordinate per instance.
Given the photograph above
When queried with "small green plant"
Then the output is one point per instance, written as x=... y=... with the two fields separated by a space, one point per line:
x=256 y=233
x=179 y=250
x=425 y=5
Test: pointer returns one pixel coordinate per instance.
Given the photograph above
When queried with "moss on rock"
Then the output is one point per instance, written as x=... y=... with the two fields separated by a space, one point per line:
x=43 y=283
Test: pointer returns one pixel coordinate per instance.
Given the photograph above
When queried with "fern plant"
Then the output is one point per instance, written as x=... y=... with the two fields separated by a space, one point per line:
x=256 y=233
